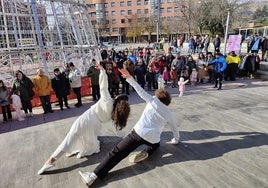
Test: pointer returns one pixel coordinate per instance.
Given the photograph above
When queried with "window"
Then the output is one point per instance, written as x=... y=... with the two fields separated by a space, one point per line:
x=122 y=3
x=113 y=21
x=106 y=13
x=113 y=13
x=139 y=20
x=122 y=12
x=112 y=4
x=129 y=12
x=92 y=6
x=106 y=5
x=176 y=9
x=138 y=2
x=138 y=11
x=146 y=2
x=129 y=3
x=162 y=10
x=123 y=21
x=115 y=29
x=169 y=9
x=93 y=14
x=129 y=20
x=162 y=1
x=146 y=11
x=169 y=1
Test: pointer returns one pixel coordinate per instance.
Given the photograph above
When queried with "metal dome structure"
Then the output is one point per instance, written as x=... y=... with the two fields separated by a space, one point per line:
x=44 y=34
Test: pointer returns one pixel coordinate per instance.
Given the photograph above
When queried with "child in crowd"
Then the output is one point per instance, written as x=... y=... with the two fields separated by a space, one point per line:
x=173 y=76
x=160 y=82
x=193 y=77
x=165 y=75
x=16 y=103
x=4 y=102
x=182 y=84
x=149 y=78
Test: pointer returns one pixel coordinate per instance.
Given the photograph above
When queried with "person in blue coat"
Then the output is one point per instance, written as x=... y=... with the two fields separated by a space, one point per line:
x=219 y=66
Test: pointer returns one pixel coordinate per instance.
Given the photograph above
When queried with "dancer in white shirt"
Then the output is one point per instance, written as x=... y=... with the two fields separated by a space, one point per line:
x=82 y=137
x=146 y=131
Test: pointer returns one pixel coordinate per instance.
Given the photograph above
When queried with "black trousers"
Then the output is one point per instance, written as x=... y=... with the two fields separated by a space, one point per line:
x=6 y=112
x=77 y=92
x=95 y=92
x=122 y=150
x=230 y=72
x=61 y=99
x=45 y=101
x=218 y=79
x=26 y=105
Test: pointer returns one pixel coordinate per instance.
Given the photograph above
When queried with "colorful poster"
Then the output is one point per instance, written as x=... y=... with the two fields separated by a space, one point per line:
x=234 y=43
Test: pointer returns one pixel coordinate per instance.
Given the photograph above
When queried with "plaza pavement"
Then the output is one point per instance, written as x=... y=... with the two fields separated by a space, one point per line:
x=223 y=143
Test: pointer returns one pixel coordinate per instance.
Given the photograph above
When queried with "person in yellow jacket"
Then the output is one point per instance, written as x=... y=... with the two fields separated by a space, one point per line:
x=42 y=85
x=232 y=61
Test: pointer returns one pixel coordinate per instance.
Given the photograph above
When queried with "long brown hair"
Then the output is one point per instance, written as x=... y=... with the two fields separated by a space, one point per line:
x=121 y=111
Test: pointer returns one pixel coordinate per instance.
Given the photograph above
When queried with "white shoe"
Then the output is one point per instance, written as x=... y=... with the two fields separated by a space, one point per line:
x=31 y=114
x=81 y=155
x=173 y=141
x=45 y=168
x=138 y=157
x=87 y=177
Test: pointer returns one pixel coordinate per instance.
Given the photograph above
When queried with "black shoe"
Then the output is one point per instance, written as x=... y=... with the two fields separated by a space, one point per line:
x=45 y=112
x=78 y=105
x=61 y=108
x=51 y=111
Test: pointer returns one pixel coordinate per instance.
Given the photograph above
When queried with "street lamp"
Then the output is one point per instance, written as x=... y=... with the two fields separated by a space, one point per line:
x=226 y=31
x=158 y=21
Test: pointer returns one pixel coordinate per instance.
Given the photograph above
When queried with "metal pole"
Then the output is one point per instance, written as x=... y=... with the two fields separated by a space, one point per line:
x=226 y=31
x=58 y=30
x=158 y=22
x=39 y=35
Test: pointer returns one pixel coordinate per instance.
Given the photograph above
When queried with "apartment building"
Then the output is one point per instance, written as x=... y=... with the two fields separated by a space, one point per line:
x=114 y=19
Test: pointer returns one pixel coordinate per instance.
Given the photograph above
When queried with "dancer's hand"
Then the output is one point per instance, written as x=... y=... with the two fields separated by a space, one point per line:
x=125 y=73
x=173 y=141
x=98 y=66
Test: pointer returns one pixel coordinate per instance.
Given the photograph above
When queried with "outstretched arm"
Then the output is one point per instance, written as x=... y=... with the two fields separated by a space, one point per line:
x=141 y=92
x=103 y=82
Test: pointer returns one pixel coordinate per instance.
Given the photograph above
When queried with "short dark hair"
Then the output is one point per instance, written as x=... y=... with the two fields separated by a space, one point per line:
x=56 y=70
x=71 y=64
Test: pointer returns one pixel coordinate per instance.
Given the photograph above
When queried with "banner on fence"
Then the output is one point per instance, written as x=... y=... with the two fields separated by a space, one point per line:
x=234 y=43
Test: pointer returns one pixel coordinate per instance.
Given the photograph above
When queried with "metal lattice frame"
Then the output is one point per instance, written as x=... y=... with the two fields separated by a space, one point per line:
x=44 y=34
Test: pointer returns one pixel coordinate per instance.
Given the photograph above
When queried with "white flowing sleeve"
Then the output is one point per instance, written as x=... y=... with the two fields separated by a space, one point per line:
x=103 y=82
x=141 y=92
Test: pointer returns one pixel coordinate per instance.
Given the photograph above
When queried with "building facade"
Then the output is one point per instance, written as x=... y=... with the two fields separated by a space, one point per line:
x=117 y=19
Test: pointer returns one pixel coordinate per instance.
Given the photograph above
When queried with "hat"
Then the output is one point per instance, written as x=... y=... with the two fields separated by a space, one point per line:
x=56 y=70
x=71 y=64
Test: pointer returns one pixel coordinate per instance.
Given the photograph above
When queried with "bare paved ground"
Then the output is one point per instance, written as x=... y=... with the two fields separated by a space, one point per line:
x=223 y=144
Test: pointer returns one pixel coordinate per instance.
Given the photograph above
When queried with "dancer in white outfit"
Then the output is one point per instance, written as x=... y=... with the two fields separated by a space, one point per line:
x=16 y=103
x=82 y=137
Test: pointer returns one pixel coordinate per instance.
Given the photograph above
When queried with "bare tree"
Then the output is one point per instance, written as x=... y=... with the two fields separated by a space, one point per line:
x=213 y=14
